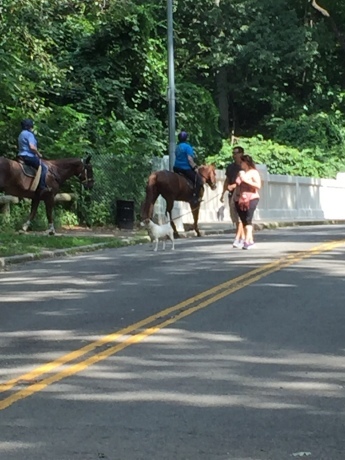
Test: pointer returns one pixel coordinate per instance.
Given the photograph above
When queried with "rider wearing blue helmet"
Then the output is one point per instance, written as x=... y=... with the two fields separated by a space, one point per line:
x=185 y=164
x=28 y=153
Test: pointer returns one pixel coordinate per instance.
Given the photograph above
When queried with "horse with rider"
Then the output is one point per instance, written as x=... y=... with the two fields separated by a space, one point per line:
x=30 y=176
x=184 y=184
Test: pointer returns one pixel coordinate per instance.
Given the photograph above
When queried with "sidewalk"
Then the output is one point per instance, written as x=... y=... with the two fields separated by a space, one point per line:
x=137 y=236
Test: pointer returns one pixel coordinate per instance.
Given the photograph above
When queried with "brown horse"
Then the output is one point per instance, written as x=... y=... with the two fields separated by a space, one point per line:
x=13 y=181
x=175 y=187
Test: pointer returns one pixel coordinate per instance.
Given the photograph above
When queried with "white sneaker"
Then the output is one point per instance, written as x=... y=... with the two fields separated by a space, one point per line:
x=248 y=246
x=238 y=244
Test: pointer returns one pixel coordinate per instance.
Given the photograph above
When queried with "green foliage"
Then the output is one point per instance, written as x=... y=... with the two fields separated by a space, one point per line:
x=317 y=130
x=64 y=132
x=197 y=113
x=14 y=244
x=93 y=76
x=67 y=218
x=122 y=161
x=95 y=213
x=18 y=215
x=281 y=159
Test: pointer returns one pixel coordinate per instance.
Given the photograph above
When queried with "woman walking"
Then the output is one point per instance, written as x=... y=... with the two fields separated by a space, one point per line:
x=247 y=197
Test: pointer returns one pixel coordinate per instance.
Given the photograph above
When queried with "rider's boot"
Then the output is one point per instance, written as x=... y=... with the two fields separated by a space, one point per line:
x=195 y=200
x=196 y=196
x=42 y=191
x=43 y=187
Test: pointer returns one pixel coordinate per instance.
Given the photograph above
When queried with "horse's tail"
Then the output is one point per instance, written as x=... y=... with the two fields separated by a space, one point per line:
x=151 y=197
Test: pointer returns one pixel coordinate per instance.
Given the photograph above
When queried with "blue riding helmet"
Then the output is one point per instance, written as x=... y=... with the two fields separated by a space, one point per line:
x=27 y=123
x=183 y=136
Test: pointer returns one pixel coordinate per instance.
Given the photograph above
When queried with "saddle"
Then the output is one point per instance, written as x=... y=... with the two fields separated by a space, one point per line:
x=196 y=199
x=29 y=171
x=189 y=182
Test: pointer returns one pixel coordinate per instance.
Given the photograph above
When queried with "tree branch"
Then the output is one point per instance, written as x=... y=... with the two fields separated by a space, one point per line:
x=318 y=8
x=339 y=35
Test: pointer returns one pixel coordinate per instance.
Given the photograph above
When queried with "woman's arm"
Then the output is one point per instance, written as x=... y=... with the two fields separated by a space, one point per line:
x=192 y=162
x=33 y=145
x=252 y=179
x=189 y=152
x=225 y=189
x=34 y=150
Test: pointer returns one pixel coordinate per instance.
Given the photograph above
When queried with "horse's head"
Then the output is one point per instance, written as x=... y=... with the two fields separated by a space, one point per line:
x=86 y=174
x=208 y=173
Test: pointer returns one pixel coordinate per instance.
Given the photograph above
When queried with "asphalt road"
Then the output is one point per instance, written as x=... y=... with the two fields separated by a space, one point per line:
x=207 y=352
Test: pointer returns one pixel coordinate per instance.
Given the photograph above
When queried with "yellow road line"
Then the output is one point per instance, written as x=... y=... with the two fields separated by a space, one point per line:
x=48 y=367
x=227 y=288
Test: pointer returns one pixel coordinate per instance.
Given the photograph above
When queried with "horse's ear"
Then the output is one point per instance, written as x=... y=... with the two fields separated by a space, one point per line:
x=88 y=159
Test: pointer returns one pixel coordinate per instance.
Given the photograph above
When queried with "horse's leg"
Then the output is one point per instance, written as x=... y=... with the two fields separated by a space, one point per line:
x=168 y=210
x=49 y=204
x=34 y=206
x=195 y=212
x=150 y=199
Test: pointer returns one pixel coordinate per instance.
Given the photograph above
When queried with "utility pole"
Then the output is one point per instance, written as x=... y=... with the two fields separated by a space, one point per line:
x=171 y=85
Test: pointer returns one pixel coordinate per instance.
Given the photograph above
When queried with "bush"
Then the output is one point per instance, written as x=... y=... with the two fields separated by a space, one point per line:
x=319 y=132
x=283 y=159
x=19 y=214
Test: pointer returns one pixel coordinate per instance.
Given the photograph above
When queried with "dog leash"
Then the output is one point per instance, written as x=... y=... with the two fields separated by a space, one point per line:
x=193 y=209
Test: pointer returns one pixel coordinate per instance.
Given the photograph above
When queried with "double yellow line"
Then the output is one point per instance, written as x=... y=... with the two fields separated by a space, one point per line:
x=45 y=375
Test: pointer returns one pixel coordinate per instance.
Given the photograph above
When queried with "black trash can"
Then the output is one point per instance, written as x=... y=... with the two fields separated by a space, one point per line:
x=125 y=214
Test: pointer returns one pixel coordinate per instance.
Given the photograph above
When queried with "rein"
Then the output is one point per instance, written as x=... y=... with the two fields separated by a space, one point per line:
x=83 y=176
x=206 y=179
x=193 y=209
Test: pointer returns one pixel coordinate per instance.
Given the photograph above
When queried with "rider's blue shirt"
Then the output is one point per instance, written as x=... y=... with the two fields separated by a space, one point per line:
x=26 y=138
x=181 y=155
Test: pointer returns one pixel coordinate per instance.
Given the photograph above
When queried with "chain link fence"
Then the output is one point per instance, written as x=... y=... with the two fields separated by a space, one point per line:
x=116 y=178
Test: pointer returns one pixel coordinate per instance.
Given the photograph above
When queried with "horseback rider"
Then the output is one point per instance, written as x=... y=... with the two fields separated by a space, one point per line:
x=184 y=164
x=28 y=153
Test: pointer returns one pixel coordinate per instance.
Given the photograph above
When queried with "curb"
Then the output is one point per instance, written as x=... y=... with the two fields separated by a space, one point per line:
x=282 y=224
x=130 y=240
x=6 y=261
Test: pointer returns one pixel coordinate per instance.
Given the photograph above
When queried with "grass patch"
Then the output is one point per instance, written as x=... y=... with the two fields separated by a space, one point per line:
x=12 y=244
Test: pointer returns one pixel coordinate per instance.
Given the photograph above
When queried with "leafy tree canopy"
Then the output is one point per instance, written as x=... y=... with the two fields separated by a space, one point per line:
x=93 y=75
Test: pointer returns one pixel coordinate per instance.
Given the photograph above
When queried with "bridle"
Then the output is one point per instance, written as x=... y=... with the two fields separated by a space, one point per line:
x=84 y=177
x=208 y=181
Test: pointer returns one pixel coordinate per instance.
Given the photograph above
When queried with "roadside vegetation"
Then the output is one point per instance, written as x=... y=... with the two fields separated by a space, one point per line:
x=93 y=76
x=13 y=244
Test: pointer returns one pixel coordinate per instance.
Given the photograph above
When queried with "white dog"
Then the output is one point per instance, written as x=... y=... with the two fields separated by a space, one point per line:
x=159 y=232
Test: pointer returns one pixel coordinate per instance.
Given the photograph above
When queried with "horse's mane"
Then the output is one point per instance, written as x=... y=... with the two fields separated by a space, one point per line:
x=212 y=166
x=67 y=161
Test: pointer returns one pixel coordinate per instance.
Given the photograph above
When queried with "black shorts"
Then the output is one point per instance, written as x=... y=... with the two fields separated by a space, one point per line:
x=247 y=216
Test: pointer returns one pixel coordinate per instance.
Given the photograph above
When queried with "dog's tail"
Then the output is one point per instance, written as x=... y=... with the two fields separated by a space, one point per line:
x=150 y=198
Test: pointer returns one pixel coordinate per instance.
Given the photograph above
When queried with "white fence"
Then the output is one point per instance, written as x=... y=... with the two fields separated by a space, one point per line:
x=283 y=198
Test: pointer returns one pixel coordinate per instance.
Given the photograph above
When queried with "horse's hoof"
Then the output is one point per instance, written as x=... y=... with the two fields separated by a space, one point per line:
x=198 y=234
x=51 y=232
x=22 y=232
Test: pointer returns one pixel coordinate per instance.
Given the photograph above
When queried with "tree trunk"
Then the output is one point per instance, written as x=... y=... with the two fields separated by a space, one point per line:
x=223 y=103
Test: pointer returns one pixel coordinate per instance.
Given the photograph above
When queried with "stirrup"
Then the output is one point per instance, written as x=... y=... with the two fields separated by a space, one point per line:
x=45 y=190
